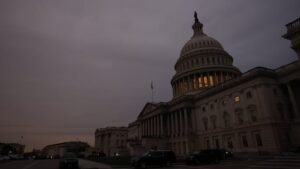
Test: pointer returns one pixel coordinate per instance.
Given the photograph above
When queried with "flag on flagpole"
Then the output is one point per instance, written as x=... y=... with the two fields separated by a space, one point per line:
x=151 y=85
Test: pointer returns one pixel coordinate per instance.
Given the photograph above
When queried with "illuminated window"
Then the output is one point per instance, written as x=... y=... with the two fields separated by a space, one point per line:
x=195 y=83
x=211 y=80
x=236 y=98
x=205 y=81
x=200 y=82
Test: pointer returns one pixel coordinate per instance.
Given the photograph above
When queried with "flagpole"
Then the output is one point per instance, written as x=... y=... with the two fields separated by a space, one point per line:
x=152 y=91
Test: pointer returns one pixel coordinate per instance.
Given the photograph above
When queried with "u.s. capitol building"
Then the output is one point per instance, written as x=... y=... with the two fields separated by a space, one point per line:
x=214 y=105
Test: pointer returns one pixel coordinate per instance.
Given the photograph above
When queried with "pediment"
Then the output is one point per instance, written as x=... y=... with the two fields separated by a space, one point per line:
x=149 y=107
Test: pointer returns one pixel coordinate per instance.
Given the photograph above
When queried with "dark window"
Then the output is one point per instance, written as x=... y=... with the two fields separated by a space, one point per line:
x=217 y=143
x=207 y=143
x=249 y=95
x=258 y=140
x=275 y=91
x=203 y=109
x=245 y=142
x=253 y=117
x=211 y=106
x=280 y=110
x=230 y=144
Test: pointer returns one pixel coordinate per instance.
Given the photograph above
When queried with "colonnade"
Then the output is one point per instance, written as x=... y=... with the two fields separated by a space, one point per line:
x=153 y=126
x=171 y=124
x=200 y=80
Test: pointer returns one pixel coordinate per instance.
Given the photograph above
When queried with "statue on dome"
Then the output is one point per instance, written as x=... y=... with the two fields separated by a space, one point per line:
x=196 y=17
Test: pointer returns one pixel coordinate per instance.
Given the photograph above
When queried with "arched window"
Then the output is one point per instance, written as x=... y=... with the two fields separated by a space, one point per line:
x=205 y=123
x=280 y=110
x=239 y=116
x=252 y=111
x=226 y=118
x=213 y=120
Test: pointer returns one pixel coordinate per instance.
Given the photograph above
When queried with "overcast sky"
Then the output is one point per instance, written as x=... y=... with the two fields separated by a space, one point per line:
x=69 y=67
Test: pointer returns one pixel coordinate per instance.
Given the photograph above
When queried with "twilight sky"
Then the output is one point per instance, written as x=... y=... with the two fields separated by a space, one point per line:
x=69 y=67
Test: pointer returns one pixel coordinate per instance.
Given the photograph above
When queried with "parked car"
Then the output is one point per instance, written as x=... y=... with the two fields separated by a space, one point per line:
x=4 y=158
x=69 y=160
x=222 y=154
x=154 y=158
x=16 y=157
x=203 y=157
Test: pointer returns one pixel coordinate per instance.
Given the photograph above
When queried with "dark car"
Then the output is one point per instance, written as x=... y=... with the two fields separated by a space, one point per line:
x=202 y=157
x=69 y=160
x=154 y=158
x=222 y=154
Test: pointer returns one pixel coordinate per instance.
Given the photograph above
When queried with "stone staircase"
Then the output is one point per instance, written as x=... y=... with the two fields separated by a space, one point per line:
x=285 y=161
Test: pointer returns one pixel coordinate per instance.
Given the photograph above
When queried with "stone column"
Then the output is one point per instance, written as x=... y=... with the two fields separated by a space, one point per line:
x=292 y=98
x=172 y=124
x=181 y=123
x=169 y=124
x=208 y=79
x=197 y=81
x=142 y=128
x=185 y=121
x=216 y=78
x=157 y=126
x=154 y=126
x=176 y=121
x=161 y=125
x=202 y=81
x=221 y=77
x=151 y=126
x=148 y=127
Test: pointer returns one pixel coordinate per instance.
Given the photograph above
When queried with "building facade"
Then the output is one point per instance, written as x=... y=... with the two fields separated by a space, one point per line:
x=11 y=148
x=111 y=141
x=214 y=105
x=58 y=150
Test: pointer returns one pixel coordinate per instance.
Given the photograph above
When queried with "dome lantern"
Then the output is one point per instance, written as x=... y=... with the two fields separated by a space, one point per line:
x=197 y=26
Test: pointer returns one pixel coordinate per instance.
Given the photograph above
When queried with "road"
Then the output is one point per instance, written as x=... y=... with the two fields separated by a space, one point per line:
x=49 y=164
x=84 y=164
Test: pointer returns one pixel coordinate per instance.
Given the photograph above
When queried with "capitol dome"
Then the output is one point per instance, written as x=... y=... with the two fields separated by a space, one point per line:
x=203 y=63
x=200 y=42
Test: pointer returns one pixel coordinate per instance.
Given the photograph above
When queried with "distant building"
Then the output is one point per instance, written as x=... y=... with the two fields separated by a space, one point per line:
x=11 y=148
x=214 y=105
x=58 y=150
x=111 y=141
